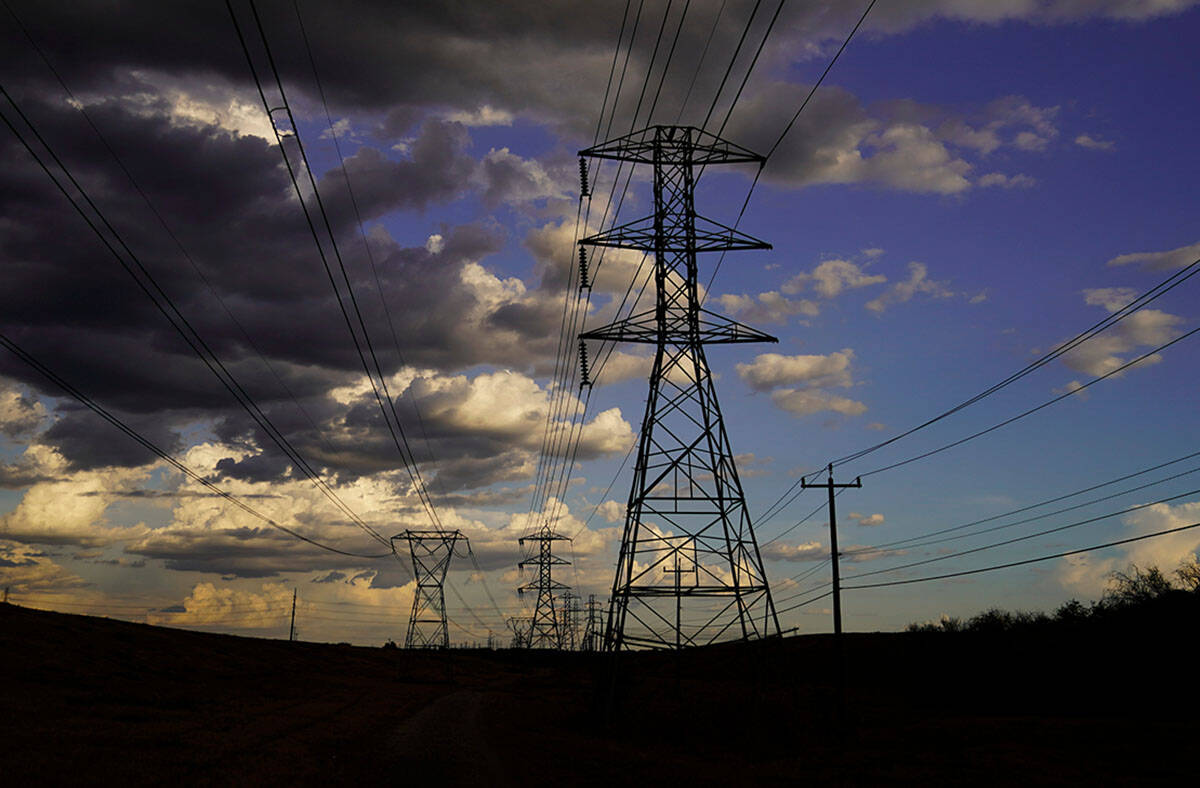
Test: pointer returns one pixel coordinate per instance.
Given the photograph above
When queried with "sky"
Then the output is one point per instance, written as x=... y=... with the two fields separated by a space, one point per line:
x=973 y=184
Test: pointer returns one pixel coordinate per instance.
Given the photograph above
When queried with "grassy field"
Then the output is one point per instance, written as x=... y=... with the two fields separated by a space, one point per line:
x=89 y=700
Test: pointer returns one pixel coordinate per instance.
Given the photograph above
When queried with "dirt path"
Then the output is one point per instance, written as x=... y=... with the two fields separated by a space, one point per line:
x=447 y=739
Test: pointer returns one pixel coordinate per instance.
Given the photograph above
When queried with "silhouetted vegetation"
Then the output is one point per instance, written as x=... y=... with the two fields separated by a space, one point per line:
x=1145 y=595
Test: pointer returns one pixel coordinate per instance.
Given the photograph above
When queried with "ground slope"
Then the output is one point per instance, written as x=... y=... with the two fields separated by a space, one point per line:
x=93 y=700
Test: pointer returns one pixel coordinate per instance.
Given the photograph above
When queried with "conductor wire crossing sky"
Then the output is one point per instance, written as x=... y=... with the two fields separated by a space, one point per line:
x=950 y=198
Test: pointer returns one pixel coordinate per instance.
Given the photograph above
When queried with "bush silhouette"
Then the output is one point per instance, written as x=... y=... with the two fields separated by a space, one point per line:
x=1135 y=596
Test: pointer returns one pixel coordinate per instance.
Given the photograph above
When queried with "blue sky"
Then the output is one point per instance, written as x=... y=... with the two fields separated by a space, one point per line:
x=964 y=192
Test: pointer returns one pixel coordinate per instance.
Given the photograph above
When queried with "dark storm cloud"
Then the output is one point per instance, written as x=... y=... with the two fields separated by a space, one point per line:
x=71 y=303
x=437 y=170
x=245 y=552
x=76 y=436
x=229 y=203
x=547 y=61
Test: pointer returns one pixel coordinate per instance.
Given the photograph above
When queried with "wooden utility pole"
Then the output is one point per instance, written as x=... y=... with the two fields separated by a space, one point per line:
x=292 y=628
x=833 y=543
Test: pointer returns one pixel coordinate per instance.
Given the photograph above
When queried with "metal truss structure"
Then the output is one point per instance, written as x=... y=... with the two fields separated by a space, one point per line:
x=545 y=630
x=570 y=621
x=593 y=626
x=431 y=552
x=688 y=545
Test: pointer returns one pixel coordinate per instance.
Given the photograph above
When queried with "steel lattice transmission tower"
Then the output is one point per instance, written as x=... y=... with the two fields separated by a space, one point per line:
x=431 y=552
x=544 y=629
x=688 y=543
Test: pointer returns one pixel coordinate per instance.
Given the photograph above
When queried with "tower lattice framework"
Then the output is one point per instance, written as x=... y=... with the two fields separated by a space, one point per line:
x=545 y=630
x=431 y=552
x=689 y=570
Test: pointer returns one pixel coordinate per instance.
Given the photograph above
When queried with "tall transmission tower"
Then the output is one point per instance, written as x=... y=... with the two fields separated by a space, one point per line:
x=688 y=543
x=544 y=630
x=431 y=552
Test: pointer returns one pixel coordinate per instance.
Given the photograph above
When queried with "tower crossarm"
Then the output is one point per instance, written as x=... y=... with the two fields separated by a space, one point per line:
x=706 y=236
x=673 y=142
x=711 y=329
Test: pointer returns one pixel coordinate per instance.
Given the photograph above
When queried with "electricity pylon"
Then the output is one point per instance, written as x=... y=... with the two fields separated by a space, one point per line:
x=593 y=626
x=431 y=552
x=570 y=621
x=544 y=629
x=688 y=541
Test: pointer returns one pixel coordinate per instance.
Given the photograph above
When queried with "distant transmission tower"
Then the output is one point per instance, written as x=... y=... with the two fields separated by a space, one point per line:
x=520 y=629
x=593 y=627
x=688 y=542
x=431 y=552
x=570 y=620
x=544 y=629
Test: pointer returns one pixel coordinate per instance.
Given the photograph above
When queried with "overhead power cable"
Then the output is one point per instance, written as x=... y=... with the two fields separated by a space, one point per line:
x=732 y=60
x=1025 y=538
x=372 y=368
x=146 y=282
x=387 y=312
x=923 y=540
x=379 y=289
x=750 y=69
x=560 y=445
x=560 y=388
x=1033 y=410
x=99 y=410
x=137 y=187
x=612 y=70
x=798 y=605
x=1027 y=561
x=784 y=133
x=1142 y=300
x=700 y=63
x=799 y=522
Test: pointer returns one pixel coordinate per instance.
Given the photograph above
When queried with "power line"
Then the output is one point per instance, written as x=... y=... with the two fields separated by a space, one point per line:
x=821 y=78
x=396 y=430
x=1137 y=303
x=663 y=78
x=1162 y=288
x=1029 y=560
x=918 y=539
x=382 y=300
x=91 y=404
x=562 y=441
x=788 y=128
x=790 y=608
x=699 y=63
x=612 y=70
x=750 y=68
x=1026 y=537
x=798 y=523
x=387 y=312
x=732 y=60
x=162 y=301
x=1033 y=410
x=79 y=106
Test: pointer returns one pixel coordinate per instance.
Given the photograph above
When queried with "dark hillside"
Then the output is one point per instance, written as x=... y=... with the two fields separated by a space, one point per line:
x=99 y=701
